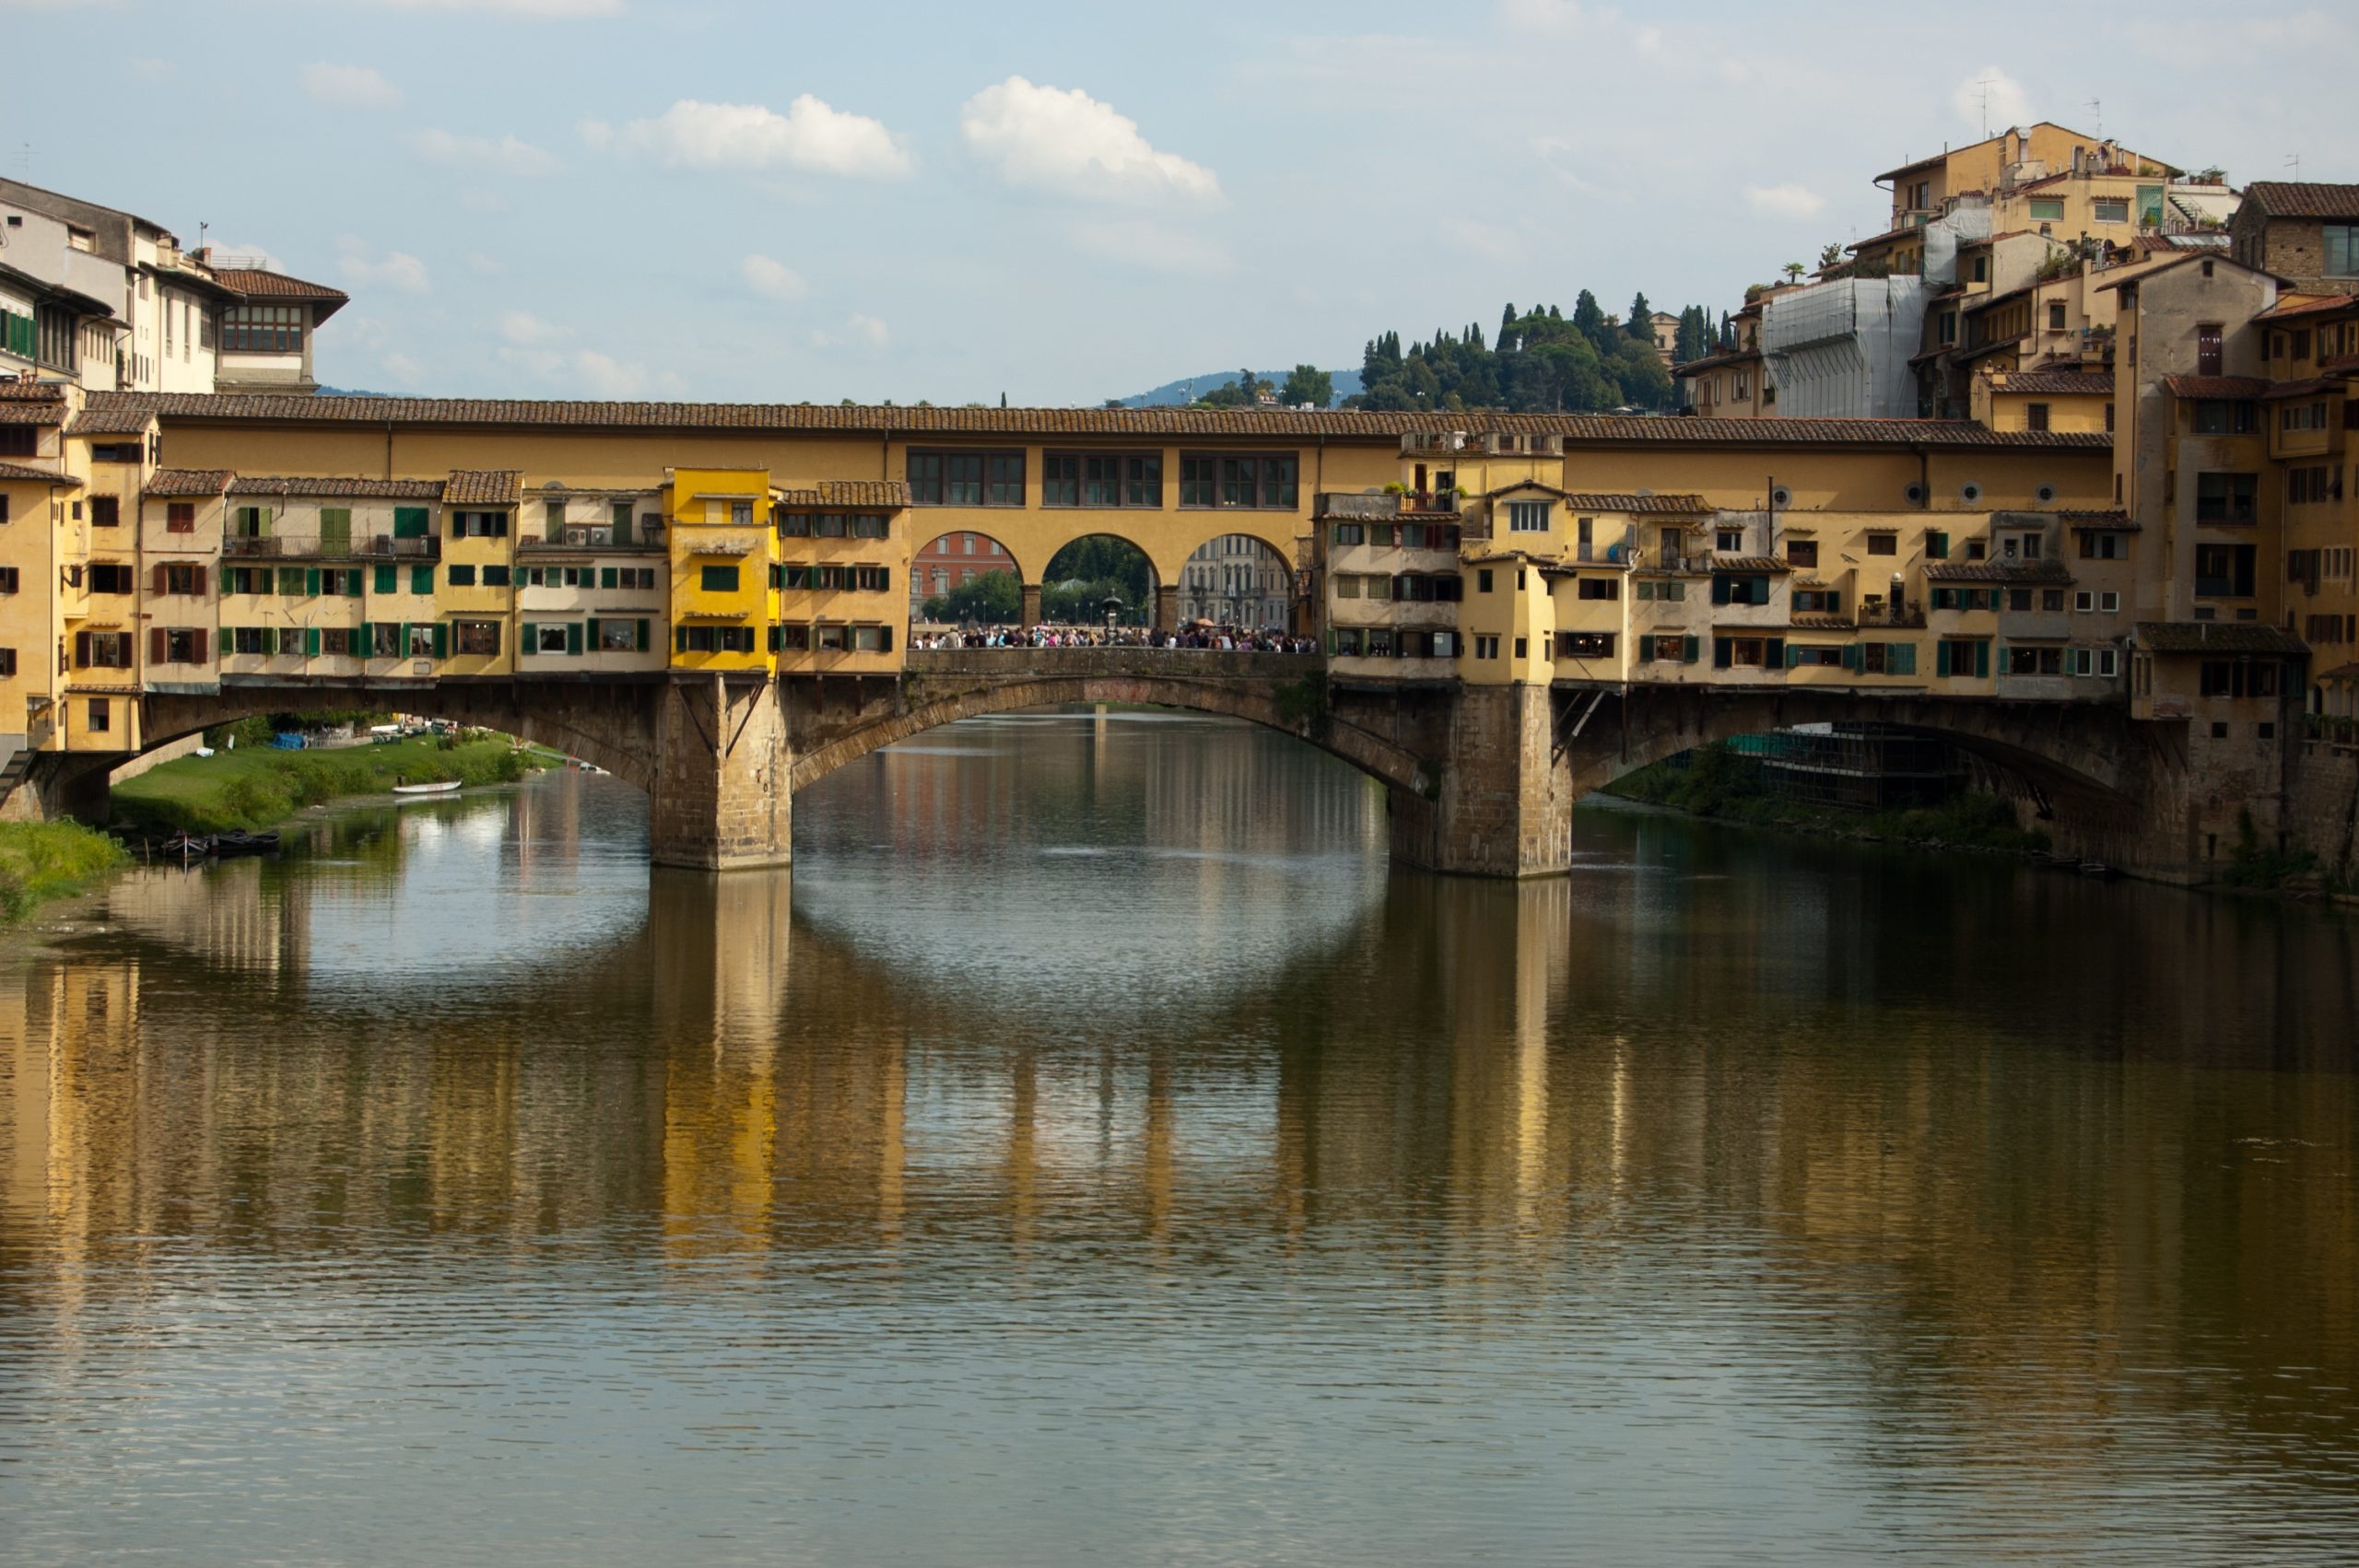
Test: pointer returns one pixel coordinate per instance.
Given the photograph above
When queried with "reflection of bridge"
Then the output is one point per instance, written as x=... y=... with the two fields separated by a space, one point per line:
x=1481 y=778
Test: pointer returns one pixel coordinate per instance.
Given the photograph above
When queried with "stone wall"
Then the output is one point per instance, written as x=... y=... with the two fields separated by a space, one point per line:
x=2322 y=806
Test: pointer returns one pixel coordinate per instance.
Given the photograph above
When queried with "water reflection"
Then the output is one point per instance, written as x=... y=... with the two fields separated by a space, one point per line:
x=1091 y=1150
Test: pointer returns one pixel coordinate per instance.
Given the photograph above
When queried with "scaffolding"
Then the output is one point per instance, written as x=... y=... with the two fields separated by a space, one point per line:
x=1865 y=767
x=1841 y=350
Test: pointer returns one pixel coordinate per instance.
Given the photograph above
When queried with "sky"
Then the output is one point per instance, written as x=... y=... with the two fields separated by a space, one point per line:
x=726 y=200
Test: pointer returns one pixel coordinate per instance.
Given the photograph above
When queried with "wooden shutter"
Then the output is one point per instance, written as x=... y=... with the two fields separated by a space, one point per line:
x=159 y=590
x=1695 y=650
x=1900 y=659
x=311 y=582
x=270 y=639
x=605 y=577
x=1720 y=653
x=364 y=640
x=679 y=639
x=81 y=650
x=262 y=522
x=458 y=526
x=1645 y=647
x=198 y=652
x=441 y=639
x=590 y=637
x=1982 y=658
x=1853 y=659
x=644 y=639
x=885 y=639
x=310 y=642
x=573 y=638
x=1773 y=650
x=156 y=645
x=387 y=578
x=409 y=522
x=499 y=525
x=622 y=523
x=401 y=650
x=421 y=580
x=200 y=585
x=528 y=638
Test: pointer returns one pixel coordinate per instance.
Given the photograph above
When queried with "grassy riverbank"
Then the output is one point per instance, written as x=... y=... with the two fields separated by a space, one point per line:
x=1719 y=784
x=40 y=860
x=254 y=786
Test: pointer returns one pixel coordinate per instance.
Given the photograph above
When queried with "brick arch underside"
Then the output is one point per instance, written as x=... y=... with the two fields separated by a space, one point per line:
x=1372 y=754
x=613 y=725
x=2084 y=758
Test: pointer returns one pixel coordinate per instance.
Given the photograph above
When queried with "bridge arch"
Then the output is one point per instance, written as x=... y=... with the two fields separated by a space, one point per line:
x=948 y=559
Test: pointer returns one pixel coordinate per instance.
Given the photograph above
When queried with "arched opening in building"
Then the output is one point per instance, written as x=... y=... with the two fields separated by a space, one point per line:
x=1096 y=575
x=964 y=577
x=1237 y=580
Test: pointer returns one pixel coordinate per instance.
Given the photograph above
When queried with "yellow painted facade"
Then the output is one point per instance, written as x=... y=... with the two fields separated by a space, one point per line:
x=722 y=546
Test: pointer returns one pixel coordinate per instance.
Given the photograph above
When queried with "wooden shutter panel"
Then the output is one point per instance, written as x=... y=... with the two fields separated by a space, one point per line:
x=311 y=582
x=679 y=639
x=605 y=577
x=364 y=640
x=1982 y=658
x=573 y=638
x=528 y=638
x=200 y=584
x=270 y=639
x=441 y=639
x=1941 y=658
x=387 y=576
x=81 y=650
x=1720 y=653
x=156 y=645
x=199 y=652
x=1853 y=659
x=310 y=642
x=590 y=637
x=1645 y=647
x=1774 y=654
x=885 y=639
x=499 y=525
x=1900 y=659
x=458 y=526
x=421 y=580
x=158 y=589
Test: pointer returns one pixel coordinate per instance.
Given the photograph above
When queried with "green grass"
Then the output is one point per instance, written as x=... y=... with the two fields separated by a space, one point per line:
x=1720 y=784
x=254 y=786
x=40 y=860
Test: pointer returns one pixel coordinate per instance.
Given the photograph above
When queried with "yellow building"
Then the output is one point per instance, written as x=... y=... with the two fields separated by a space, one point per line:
x=722 y=547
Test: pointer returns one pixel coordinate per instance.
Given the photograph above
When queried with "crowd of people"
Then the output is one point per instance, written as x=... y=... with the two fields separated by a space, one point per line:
x=1226 y=639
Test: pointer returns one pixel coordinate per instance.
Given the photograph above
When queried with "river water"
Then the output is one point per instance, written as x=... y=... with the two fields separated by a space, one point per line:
x=1093 y=1152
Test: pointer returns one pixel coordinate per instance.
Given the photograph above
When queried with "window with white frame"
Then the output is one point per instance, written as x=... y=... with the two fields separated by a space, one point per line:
x=1527 y=517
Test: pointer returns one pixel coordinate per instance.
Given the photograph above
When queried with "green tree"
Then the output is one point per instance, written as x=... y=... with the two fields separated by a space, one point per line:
x=994 y=599
x=1641 y=324
x=1793 y=270
x=1830 y=255
x=1307 y=383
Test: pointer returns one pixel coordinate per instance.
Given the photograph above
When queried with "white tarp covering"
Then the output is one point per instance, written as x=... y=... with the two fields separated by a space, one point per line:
x=1841 y=350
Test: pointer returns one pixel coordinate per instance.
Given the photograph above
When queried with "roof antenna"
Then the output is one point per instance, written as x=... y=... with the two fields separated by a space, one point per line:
x=2096 y=112
x=28 y=156
x=2294 y=163
x=1984 y=83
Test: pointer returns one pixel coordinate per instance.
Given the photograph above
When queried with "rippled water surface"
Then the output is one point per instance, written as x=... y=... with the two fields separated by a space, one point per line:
x=1093 y=1152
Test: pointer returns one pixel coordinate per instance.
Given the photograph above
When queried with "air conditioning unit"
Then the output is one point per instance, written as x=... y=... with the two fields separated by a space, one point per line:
x=587 y=535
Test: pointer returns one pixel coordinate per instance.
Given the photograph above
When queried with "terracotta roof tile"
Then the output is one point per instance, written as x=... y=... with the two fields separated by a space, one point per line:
x=1997 y=571
x=255 y=283
x=890 y=493
x=336 y=486
x=2057 y=383
x=1604 y=501
x=2215 y=386
x=1822 y=622
x=2306 y=305
x=110 y=422
x=2303 y=388
x=2286 y=198
x=1602 y=429
x=2107 y=518
x=1750 y=564
x=2217 y=636
x=179 y=482
x=32 y=412
x=25 y=470
x=484 y=487
x=14 y=390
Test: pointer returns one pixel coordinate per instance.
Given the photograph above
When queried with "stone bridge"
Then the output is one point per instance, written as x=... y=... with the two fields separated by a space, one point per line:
x=1482 y=779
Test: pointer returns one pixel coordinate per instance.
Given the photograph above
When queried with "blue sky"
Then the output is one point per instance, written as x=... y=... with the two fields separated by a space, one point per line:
x=727 y=200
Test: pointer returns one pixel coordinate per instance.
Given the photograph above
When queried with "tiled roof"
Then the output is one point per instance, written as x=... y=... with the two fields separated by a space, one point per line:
x=29 y=412
x=1604 y=501
x=484 y=487
x=1750 y=564
x=1715 y=359
x=2105 y=518
x=2057 y=382
x=183 y=482
x=22 y=470
x=110 y=422
x=1997 y=571
x=336 y=486
x=255 y=283
x=1822 y=622
x=848 y=493
x=2217 y=636
x=2340 y=672
x=1993 y=347
x=2307 y=304
x=2286 y=198
x=2215 y=386
x=2340 y=362
x=1602 y=429
x=14 y=390
x=2305 y=388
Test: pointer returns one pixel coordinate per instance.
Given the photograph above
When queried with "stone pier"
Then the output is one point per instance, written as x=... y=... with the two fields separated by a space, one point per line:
x=1502 y=804
x=723 y=792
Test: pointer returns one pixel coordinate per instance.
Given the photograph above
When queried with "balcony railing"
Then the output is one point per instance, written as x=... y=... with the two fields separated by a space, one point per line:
x=385 y=546
x=243 y=546
x=1895 y=613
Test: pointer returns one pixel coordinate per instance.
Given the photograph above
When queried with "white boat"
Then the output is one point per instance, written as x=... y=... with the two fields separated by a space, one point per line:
x=444 y=788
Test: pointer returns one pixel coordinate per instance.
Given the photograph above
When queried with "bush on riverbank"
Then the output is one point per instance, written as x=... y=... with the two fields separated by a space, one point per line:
x=40 y=860
x=254 y=786
x=1719 y=783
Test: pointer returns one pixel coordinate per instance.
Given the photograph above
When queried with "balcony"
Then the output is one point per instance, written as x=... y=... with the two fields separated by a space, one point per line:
x=600 y=536
x=1898 y=612
x=234 y=548
x=385 y=546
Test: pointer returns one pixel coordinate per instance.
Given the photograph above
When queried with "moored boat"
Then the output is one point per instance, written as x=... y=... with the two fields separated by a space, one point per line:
x=443 y=787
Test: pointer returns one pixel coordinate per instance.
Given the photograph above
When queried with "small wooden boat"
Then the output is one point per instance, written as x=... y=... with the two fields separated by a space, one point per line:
x=245 y=844
x=188 y=846
x=444 y=788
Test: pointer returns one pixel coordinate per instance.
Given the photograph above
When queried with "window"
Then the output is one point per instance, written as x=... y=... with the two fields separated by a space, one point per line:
x=179 y=517
x=1730 y=589
x=476 y=636
x=1483 y=579
x=1601 y=587
x=410 y=522
x=718 y=580
x=1351 y=534
x=2036 y=417
x=1748 y=652
x=106 y=511
x=2056 y=315
x=1222 y=481
x=462 y=576
x=2225 y=498
x=478 y=525
x=1802 y=552
x=1961 y=657
x=2236 y=677
x=110 y=578
x=2207 y=348
x=1818 y=601
x=263 y=329
x=1487 y=648
x=620 y=637
x=102 y=651
x=1806 y=657
x=1529 y=517
x=101 y=712
x=550 y=639
x=2341 y=249
x=2224 y=571
x=1061 y=480
x=495 y=577
x=2109 y=209
x=1585 y=645
x=1886 y=544
x=2044 y=209
x=182 y=578
x=7 y=580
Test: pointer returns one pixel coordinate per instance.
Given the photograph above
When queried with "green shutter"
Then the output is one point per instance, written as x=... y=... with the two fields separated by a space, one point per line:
x=311 y=582
x=590 y=635
x=1793 y=653
x=1694 y=650
x=262 y=522
x=336 y=530
x=644 y=642
x=388 y=579
x=1981 y=658
x=1774 y=654
x=1900 y=659
x=679 y=639
x=421 y=580
x=605 y=577
x=409 y=522
x=528 y=638
x=1852 y=658
x=310 y=642
x=402 y=650
x=366 y=645
x=1645 y=647
x=622 y=523
x=1720 y=654
x=573 y=638
x=1941 y=658
x=270 y=639
x=441 y=639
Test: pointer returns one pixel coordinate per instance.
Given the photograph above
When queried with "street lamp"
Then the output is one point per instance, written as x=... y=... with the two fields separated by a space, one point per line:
x=1113 y=607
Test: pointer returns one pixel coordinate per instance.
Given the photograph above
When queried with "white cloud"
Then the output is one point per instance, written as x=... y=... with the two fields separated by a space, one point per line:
x=348 y=87
x=857 y=329
x=775 y=279
x=394 y=269
x=483 y=266
x=506 y=155
x=1069 y=142
x=403 y=367
x=1550 y=15
x=810 y=135
x=551 y=9
x=603 y=376
x=528 y=330
x=1152 y=246
x=1784 y=201
x=1992 y=89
